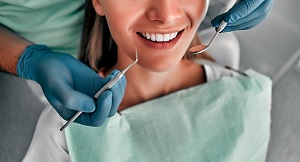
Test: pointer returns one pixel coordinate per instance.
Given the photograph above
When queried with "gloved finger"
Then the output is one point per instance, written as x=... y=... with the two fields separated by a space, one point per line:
x=98 y=82
x=72 y=99
x=88 y=82
x=263 y=9
x=241 y=9
x=249 y=27
x=251 y=23
x=65 y=113
x=217 y=20
x=98 y=117
x=118 y=91
x=79 y=102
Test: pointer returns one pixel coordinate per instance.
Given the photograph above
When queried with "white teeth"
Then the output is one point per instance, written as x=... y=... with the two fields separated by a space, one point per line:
x=148 y=36
x=159 y=37
x=152 y=37
x=172 y=36
x=167 y=37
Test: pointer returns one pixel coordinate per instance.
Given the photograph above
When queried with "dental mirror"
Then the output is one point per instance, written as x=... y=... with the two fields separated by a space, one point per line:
x=202 y=48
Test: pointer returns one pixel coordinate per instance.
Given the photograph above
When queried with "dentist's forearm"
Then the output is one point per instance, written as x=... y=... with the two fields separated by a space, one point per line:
x=11 y=48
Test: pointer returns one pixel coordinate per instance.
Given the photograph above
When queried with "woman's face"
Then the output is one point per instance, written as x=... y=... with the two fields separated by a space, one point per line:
x=160 y=29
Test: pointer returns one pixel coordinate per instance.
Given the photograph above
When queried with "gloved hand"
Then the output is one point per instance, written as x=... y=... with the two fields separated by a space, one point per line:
x=70 y=85
x=245 y=14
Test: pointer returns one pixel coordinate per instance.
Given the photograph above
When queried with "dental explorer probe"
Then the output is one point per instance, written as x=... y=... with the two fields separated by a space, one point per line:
x=108 y=85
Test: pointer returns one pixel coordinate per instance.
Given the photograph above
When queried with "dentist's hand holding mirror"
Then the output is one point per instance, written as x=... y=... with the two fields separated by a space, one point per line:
x=244 y=15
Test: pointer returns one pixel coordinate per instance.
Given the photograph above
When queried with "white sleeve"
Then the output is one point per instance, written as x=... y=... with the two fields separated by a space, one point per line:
x=214 y=72
x=48 y=143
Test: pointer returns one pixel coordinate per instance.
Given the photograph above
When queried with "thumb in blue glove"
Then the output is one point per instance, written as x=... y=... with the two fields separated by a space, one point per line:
x=244 y=15
x=70 y=85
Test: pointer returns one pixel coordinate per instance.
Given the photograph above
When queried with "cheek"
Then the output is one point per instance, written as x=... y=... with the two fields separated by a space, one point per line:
x=196 y=10
x=120 y=25
x=120 y=12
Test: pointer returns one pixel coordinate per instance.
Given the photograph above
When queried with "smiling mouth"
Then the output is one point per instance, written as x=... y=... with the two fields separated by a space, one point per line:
x=157 y=37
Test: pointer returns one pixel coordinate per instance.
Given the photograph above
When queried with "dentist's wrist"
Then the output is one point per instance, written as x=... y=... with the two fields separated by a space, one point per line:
x=30 y=59
x=11 y=48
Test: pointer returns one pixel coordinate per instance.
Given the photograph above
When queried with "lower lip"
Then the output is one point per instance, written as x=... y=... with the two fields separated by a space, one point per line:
x=161 y=45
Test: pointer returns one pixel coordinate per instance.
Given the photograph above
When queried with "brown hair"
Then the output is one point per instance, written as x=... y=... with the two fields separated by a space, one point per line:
x=98 y=50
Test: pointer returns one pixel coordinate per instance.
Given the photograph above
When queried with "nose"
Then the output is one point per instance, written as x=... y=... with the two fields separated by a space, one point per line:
x=164 y=11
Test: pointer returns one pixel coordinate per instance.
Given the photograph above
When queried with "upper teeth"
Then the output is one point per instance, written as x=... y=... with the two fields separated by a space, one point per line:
x=160 y=37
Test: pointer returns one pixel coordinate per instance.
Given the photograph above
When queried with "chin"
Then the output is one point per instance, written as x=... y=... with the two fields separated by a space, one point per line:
x=160 y=65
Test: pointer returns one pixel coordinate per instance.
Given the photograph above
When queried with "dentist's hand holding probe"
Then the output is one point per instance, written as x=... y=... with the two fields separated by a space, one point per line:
x=70 y=85
x=245 y=14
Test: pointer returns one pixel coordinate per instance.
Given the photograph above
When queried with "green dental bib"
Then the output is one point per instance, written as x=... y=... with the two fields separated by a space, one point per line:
x=225 y=120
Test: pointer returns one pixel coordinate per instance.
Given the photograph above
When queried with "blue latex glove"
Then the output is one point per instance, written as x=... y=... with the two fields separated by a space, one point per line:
x=70 y=85
x=245 y=14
